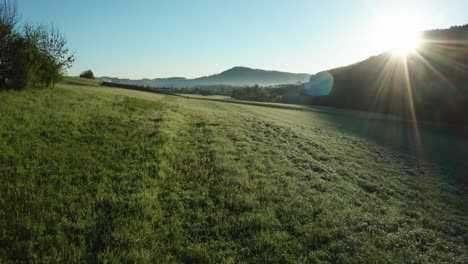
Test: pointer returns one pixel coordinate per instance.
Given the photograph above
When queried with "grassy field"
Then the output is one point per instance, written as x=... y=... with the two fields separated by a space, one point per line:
x=92 y=174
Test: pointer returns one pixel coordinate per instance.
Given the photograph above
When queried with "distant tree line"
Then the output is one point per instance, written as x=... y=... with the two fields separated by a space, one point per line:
x=254 y=93
x=290 y=94
x=206 y=90
x=138 y=88
x=32 y=54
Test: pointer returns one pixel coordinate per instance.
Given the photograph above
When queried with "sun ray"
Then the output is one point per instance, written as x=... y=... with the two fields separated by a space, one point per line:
x=434 y=70
x=412 y=110
x=383 y=78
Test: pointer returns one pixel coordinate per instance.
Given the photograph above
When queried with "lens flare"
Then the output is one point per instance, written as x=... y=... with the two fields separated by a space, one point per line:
x=320 y=84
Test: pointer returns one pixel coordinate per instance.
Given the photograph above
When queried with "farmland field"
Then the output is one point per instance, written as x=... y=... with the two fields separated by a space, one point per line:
x=93 y=174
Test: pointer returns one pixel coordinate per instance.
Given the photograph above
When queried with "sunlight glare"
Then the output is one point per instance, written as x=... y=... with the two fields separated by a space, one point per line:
x=405 y=44
x=398 y=34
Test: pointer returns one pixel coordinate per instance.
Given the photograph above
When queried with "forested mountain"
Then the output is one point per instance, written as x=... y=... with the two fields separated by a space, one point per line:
x=430 y=84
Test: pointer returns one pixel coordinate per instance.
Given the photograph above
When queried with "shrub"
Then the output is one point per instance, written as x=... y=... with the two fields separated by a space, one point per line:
x=87 y=74
x=48 y=54
x=35 y=55
x=8 y=19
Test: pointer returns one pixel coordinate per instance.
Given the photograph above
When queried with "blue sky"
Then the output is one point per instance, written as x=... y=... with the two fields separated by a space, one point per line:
x=192 y=38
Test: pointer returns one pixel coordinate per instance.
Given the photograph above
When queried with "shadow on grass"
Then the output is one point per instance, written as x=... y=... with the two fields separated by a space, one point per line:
x=440 y=151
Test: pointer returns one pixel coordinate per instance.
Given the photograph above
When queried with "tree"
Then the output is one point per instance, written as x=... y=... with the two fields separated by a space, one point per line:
x=49 y=55
x=8 y=19
x=87 y=74
x=8 y=16
x=36 y=54
x=56 y=47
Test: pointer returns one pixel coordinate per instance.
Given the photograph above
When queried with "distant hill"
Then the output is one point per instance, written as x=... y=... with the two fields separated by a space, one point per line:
x=437 y=74
x=237 y=76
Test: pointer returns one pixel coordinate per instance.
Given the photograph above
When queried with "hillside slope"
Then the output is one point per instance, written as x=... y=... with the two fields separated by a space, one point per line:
x=237 y=76
x=95 y=174
x=437 y=90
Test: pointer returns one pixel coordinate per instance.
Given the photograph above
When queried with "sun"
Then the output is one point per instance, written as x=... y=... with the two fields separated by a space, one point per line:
x=404 y=44
x=398 y=34
x=401 y=38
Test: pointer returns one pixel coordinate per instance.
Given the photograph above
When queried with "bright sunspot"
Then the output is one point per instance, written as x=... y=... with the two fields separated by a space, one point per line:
x=398 y=34
x=404 y=44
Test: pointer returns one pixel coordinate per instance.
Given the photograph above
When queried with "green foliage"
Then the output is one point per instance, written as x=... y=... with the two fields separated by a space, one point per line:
x=88 y=74
x=8 y=17
x=255 y=93
x=8 y=41
x=47 y=54
x=36 y=55
x=17 y=71
x=92 y=174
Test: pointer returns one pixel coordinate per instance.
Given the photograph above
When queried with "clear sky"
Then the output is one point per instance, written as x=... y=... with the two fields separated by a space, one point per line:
x=192 y=38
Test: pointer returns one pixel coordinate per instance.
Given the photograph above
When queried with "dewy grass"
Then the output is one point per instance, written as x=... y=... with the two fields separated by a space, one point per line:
x=91 y=174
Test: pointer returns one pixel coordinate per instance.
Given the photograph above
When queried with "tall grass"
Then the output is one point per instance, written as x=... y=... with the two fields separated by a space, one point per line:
x=88 y=174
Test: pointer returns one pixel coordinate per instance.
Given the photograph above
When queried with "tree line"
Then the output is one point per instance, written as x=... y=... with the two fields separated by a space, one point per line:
x=289 y=94
x=35 y=55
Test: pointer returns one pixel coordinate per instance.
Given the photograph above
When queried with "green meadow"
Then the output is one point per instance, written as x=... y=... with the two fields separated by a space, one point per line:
x=91 y=174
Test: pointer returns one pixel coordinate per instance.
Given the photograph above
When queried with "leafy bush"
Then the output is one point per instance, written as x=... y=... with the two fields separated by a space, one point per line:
x=36 y=55
x=87 y=74
x=8 y=19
